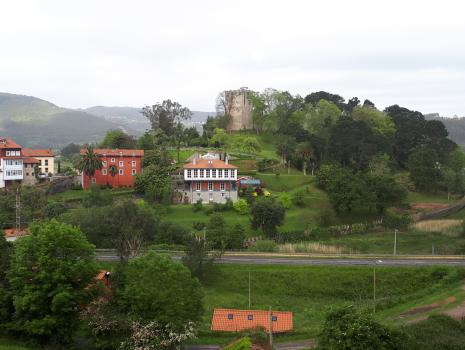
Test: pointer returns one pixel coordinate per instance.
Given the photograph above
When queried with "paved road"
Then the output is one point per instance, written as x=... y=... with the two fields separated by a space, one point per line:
x=363 y=261
x=297 y=345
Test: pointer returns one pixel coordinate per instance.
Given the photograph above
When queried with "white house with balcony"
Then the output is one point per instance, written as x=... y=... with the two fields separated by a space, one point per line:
x=11 y=163
x=209 y=179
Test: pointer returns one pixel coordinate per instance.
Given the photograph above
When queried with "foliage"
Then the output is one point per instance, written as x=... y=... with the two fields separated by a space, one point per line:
x=49 y=276
x=166 y=115
x=298 y=198
x=219 y=138
x=350 y=329
x=197 y=206
x=267 y=214
x=285 y=199
x=197 y=259
x=265 y=245
x=171 y=233
x=241 y=206
x=396 y=221
x=241 y=344
x=118 y=139
x=377 y=120
x=322 y=118
x=54 y=209
x=177 y=303
x=424 y=167
x=217 y=232
x=156 y=336
x=89 y=162
x=96 y=197
x=155 y=183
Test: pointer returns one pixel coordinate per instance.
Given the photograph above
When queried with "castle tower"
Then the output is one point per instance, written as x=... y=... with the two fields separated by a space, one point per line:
x=239 y=108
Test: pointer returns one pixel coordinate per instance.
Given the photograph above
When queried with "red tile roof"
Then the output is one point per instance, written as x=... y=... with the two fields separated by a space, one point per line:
x=30 y=160
x=231 y=320
x=206 y=164
x=28 y=152
x=117 y=152
x=12 y=232
x=8 y=143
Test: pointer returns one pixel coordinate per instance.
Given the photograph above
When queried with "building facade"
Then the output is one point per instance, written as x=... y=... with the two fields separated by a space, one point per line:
x=46 y=159
x=210 y=180
x=29 y=175
x=11 y=163
x=119 y=168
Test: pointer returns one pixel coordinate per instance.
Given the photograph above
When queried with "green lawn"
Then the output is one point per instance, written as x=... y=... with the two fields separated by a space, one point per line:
x=311 y=291
x=78 y=195
x=440 y=197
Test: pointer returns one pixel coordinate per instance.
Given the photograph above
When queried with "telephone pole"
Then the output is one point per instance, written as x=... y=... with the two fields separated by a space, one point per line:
x=18 y=209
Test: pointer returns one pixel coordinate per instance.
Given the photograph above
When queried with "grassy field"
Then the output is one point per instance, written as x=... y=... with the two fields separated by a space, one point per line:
x=10 y=344
x=79 y=195
x=310 y=292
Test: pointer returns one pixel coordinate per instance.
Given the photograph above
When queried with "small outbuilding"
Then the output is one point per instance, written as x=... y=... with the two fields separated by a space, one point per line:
x=232 y=320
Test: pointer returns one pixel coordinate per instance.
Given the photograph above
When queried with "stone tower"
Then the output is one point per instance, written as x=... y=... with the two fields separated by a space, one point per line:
x=238 y=108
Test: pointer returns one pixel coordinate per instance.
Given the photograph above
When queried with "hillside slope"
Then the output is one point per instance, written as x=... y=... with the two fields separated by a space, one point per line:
x=455 y=126
x=34 y=122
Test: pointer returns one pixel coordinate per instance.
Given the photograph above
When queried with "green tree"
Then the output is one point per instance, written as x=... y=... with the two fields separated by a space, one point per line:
x=89 y=162
x=386 y=190
x=236 y=237
x=49 y=276
x=348 y=328
x=267 y=215
x=197 y=258
x=241 y=206
x=377 y=120
x=118 y=139
x=217 y=232
x=155 y=183
x=219 y=138
x=166 y=115
x=320 y=119
x=6 y=298
x=305 y=153
x=155 y=288
x=425 y=170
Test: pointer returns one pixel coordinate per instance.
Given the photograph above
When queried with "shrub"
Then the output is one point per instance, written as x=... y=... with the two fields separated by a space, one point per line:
x=326 y=218
x=298 y=198
x=241 y=206
x=396 y=221
x=197 y=206
x=241 y=344
x=265 y=245
x=198 y=225
x=285 y=200
x=52 y=210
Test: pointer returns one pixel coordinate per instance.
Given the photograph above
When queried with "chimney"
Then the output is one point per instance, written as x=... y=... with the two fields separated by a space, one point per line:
x=226 y=160
x=194 y=161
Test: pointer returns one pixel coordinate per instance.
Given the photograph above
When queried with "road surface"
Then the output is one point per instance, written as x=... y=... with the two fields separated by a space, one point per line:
x=350 y=261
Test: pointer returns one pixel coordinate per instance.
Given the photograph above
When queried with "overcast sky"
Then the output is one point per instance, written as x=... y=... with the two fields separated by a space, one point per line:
x=132 y=53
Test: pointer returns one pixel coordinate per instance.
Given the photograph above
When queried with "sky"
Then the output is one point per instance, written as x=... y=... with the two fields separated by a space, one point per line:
x=134 y=53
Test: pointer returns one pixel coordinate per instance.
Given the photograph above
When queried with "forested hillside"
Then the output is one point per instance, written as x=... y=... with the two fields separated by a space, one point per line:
x=455 y=126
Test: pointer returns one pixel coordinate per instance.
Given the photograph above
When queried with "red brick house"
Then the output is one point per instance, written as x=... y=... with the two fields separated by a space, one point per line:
x=119 y=168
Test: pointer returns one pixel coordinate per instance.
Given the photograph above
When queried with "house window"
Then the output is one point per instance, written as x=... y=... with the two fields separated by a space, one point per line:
x=201 y=173
x=210 y=186
x=121 y=163
x=112 y=160
x=133 y=171
x=196 y=173
x=274 y=318
x=222 y=186
x=93 y=180
x=197 y=186
x=226 y=173
x=104 y=171
x=220 y=173
x=46 y=162
x=230 y=316
x=189 y=173
x=104 y=163
x=121 y=172
x=133 y=163
x=46 y=170
x=7 y=153
x=207 y=173
x=18 y=153
x=250 y=317
x=27 y=174
x=213 y=173
x=233 y=173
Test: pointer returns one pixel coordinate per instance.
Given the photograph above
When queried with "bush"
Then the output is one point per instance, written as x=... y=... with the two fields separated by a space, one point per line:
x=241 y=344
x=241 y=206
x=396 y=221
x=96 y=197
x=52 y=210
x=265 y=245
x=326 y=218
x=197 y=206
x=298 y=198
x=198 y=225
x=285 y=200
x=292 y=237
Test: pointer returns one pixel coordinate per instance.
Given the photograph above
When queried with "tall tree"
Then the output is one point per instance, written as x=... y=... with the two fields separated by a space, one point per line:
x=316 y=97
x=166 y=115
x=267 y=215
x=118 y=139
x=90 y=162
x=306 y=154
x=50 y=272
x=425 y=170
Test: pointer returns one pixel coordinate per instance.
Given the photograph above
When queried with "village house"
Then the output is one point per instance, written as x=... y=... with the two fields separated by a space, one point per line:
x=45 y=157
x=11 y=163
x=119 y=168
x=209 y=179
x=29 y=175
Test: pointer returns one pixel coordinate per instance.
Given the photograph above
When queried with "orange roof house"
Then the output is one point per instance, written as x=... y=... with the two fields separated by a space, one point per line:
x=28 y=152
x=231 y=320
x=12 y=234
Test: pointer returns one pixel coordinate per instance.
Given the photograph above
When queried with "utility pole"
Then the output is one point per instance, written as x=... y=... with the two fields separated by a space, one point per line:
x=271 y=328
x=18 y=209
x=374 y=288
x=395 y=242
x=249 y=290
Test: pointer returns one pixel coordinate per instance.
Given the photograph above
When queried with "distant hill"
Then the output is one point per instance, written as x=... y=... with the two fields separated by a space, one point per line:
x=455 y=126
x=132 y=117
x=34 y=122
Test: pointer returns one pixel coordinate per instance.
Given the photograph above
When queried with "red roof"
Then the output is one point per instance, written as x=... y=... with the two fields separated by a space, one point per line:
x=28 y=152
x=12 y=232
x=209 y=163
x=30 y=160
x=117 y=152
x=8 y=143
x=231 y=320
